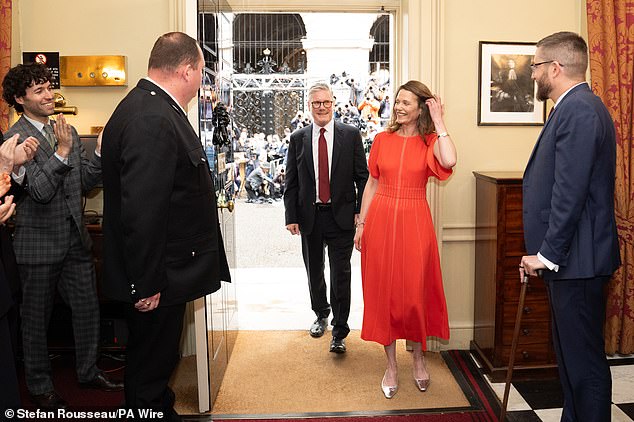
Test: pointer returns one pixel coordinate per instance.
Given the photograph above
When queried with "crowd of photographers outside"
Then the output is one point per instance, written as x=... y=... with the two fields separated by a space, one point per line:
x=367 y=108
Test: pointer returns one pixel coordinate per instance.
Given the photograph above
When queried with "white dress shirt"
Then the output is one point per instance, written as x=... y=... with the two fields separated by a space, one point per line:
x=329 y=135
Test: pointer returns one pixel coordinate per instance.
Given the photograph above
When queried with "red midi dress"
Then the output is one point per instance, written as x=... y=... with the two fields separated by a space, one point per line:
x=400 y=266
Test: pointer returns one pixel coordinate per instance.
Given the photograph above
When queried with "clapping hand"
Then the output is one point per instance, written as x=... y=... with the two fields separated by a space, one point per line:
x=13 y=155
x=25 y=151
x=6 y=209
x=64 y=135
x=7 y=154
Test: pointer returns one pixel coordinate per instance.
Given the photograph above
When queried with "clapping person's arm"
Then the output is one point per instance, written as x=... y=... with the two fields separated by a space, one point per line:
x=14 y=155
x=6 y=208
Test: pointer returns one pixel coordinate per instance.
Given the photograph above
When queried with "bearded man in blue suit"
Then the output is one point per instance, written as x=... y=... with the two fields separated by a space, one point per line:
x=569 y=224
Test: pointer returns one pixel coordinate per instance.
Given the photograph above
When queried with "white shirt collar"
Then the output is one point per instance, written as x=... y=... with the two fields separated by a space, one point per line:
x=566 y=92
x=330 y=127
x=167 y=92
x=38 y=125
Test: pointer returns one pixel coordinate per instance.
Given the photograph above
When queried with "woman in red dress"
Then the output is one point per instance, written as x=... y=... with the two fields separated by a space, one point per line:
x=402 y=283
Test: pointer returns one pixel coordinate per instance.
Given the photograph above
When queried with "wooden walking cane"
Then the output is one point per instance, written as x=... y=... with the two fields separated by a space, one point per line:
x=516 y=334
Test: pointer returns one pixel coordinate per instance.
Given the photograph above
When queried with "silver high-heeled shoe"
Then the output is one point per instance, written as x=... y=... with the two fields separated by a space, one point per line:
x=422 y=384
x=388 y=390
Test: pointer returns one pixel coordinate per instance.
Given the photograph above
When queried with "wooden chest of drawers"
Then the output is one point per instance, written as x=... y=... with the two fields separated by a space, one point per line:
x=499 y=247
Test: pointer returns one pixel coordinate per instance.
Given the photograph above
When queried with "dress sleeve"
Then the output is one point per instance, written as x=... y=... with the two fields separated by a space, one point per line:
x=434 y=168
x=373 y=160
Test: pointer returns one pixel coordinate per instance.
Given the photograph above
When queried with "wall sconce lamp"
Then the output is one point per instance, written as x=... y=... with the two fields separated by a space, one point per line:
x=61 y=107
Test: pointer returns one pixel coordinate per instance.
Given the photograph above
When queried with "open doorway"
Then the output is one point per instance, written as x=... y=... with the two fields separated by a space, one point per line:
x=260 y=66
x=276 y=57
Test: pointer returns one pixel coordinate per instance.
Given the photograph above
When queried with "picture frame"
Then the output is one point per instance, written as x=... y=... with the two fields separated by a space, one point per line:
x=507 y=95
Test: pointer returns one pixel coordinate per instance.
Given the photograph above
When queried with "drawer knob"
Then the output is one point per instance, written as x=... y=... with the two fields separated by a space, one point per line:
x=528 y=309
x=526 y=331
x=525 y=354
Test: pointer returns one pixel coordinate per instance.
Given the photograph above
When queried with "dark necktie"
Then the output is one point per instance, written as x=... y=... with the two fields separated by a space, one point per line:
x=324 y=179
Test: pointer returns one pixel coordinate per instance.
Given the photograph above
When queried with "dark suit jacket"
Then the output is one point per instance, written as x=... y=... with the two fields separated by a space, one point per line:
x=348 y=176
x=568 y=190
x=161 y=231
x=54 y=193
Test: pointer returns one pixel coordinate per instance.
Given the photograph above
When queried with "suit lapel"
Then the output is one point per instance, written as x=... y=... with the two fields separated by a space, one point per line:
x=569 y=95
x=308 y=151
x=27 y=129
x=543 y=131
x=337 y=144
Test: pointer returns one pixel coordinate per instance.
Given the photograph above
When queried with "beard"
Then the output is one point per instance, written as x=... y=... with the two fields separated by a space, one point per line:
x=544 y=88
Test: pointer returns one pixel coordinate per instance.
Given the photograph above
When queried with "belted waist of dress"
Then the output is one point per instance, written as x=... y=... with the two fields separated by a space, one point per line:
x=408 y=192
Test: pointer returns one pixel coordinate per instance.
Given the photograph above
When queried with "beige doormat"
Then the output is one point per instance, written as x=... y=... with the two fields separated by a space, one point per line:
x=282 y=372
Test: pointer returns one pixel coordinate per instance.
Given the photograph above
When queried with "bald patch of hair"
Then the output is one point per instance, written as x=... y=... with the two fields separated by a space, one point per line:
x=172 y=50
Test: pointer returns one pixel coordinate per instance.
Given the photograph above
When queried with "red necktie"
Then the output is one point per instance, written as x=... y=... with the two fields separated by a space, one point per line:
x=324 y=180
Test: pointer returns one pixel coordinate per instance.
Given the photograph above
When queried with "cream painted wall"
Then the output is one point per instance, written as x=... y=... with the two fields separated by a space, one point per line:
x=78 y=28
x=485 y=147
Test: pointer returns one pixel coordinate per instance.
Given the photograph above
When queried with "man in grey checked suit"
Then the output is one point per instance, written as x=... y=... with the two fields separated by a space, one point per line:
x=52 y=245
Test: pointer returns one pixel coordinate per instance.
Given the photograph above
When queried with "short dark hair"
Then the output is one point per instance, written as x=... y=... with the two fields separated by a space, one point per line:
x=21 y=77
x=567 y=48
x=172 y=50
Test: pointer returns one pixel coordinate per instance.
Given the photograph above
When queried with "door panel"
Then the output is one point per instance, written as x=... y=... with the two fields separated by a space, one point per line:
x=215 y=315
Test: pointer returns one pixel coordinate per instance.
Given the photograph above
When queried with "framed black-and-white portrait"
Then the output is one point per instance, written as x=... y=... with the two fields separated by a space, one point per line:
x=506 y=92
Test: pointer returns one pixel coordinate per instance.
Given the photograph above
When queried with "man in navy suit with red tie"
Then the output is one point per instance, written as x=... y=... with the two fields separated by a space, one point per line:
x=326 y=171
x=569 y=224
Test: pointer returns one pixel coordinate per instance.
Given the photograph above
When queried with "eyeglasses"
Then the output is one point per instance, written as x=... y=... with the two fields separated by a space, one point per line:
x=536 y=65
x=317 y=104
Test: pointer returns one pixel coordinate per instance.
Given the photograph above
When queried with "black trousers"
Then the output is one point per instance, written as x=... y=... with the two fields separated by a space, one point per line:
x=578 y=312
x=9 y=388
x=152 y=355
x=326 y=232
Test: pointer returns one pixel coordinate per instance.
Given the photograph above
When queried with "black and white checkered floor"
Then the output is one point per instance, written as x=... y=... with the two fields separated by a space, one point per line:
x=534 y=401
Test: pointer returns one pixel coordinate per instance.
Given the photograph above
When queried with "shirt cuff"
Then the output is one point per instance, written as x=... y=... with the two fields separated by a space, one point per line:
x=19 y=176
x=62 y=159
x=551 y=266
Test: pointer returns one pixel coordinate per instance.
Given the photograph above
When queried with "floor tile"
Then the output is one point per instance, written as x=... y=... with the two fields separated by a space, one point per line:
x=516 y=401
x=523 y=416
x=542 y=394
x=618 y=415
x=622 y=384
x=549 y=415
x=627 y=408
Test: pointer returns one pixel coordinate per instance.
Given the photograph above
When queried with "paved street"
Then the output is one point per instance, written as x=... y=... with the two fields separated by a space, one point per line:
x=271 y=282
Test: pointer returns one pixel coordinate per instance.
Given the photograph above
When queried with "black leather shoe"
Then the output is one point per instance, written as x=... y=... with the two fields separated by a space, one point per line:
x=102 y=382
x=49 y=401
x=319 y=327
x=338 y=345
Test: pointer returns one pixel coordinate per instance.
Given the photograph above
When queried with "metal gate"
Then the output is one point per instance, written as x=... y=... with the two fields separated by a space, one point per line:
x=267 y=102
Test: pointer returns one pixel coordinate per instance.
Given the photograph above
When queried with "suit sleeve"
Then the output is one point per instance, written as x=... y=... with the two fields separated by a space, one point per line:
x=360 y=170
x=291 y=189
x=148 y=166
x=44 y=175
x=577 y=137
x=90 y=166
